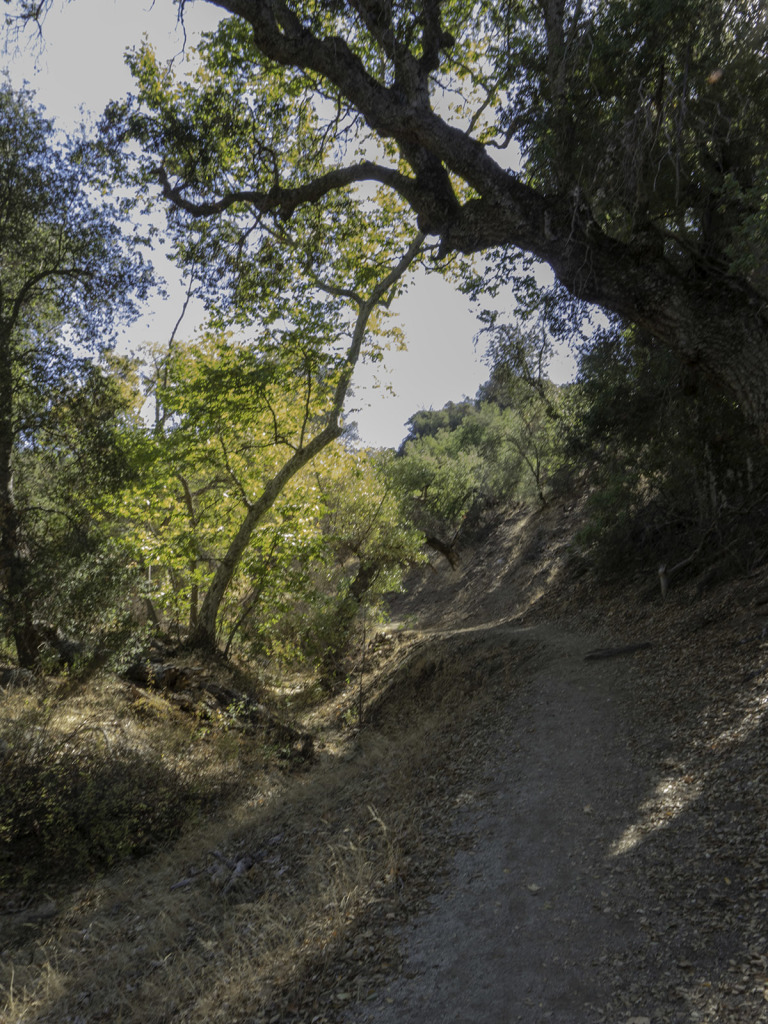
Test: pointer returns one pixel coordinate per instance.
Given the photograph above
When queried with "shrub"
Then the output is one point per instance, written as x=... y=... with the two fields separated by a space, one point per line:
x=74 y=802
x=672 y=466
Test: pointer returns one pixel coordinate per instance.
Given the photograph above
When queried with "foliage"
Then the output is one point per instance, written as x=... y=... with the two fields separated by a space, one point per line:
x=441 y=476
x=79 y=451
x=494 y=454
x=636 y=134
x=361 y=521
x=429 y=422
x=655 y=119
x=504 y=446
x=66 y=261
x=670 y=466
x=201 y=140
x=369 y=545
x=67 y=275
x=622 y=144
x=227 y=415
x=311 y=286
x=231 y=415
x=290 y=157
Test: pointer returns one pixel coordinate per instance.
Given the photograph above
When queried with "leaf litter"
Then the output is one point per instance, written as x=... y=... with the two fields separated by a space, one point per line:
x=314 y=926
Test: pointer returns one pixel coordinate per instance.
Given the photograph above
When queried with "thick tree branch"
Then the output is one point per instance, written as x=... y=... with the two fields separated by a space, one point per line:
x=716 y=322
x=433 y=38
x=284 y=201
x=375 y=15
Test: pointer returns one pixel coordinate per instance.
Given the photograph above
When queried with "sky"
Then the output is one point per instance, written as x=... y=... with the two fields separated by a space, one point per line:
x=78 y=67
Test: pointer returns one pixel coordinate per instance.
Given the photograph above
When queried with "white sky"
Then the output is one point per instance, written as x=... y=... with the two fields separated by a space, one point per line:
x=80 y=65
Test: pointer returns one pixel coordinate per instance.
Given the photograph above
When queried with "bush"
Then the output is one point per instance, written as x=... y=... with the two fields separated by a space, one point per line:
x=672 y=467
x=73 y=802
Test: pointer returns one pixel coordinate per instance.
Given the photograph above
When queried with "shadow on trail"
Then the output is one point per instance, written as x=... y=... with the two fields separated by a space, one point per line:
x=619 y=861
x=696 y=850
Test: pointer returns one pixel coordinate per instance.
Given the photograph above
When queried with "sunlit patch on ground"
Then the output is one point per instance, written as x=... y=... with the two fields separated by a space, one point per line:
x=672 y=795
x=677 y=791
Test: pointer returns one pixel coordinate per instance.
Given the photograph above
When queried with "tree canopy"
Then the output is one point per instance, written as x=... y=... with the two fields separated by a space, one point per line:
x=622 y=144
x=66 y=276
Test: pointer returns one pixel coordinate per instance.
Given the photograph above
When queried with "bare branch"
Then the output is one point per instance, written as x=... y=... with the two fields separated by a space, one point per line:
x=361 y=324
x=277 y=438
x=232 y=474
x=160 y=416
x=337 y=291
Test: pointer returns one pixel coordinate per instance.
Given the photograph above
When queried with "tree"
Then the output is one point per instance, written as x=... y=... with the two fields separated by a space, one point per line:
x=76 y=451
x=672 y=477
x=65 y=275
x=640 y=129
x=304 y=447
x=469 y=456
x=369 y=539
x=219 y=445
x=305 y=297
x=241 y=418
x=234 y=418
x=428 y=422
x=332 y=547
x=526 y=403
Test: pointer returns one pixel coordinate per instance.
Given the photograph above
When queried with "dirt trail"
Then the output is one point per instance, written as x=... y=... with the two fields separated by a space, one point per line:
x=552 y=840
x=533 y=914
x=612 y=863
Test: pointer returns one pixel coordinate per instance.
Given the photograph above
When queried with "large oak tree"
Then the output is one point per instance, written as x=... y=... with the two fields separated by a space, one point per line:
x=640 y=130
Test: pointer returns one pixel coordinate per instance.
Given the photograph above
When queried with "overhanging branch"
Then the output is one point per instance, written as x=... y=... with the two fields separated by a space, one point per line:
x=284 y=201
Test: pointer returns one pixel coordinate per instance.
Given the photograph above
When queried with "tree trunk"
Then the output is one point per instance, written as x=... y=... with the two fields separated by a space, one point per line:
x=448 y=551
x=363 y=581
x=203 y=636
x=13 y=568
x=189 y=502
x=717 y=322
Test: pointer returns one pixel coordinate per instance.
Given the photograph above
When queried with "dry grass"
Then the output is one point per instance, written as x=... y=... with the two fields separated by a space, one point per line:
x=100 y=775
x=279 y=905
x=278 y=908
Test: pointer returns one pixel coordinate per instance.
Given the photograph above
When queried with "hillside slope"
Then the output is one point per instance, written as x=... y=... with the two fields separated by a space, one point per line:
x=554 y=810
